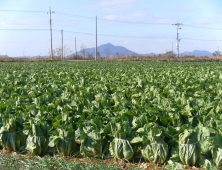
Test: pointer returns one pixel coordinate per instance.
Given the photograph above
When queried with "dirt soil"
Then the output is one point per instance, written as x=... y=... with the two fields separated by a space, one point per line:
x=136 y=162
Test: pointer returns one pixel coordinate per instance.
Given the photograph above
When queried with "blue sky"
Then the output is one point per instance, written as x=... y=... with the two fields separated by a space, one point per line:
x=143 y=26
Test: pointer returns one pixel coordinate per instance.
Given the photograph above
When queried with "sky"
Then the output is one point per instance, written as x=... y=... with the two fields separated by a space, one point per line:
x=142 y=26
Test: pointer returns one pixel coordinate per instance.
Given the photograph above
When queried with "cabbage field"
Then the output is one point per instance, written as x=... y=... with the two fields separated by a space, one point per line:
x=166 y=112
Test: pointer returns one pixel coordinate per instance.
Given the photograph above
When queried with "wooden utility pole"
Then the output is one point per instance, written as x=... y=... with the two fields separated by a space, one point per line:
x=75 y=47
x=96 y=41
x=61 y=44
x=50 y=21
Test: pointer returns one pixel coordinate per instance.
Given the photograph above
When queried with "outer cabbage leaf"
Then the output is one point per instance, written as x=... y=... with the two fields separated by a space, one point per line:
x=64 y=140
x=205 y=134
x=38 y=139
x=189 y=147
x=217 y=150
x=121 y=147
x=12 y=137
x=93 y=143
x=155 y=149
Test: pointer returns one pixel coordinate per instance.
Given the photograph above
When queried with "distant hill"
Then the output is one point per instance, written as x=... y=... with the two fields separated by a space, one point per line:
x=197 y=53
x=152 y=54
x=107 y=50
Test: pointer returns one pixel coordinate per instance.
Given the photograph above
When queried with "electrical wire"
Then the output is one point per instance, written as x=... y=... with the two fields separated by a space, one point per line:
x=66 y=14
x=136 y=36
x=37 y=41
x=110 y=35
x=23 y=11
x=131 y=22
x=29 y=41
x=114 y=35
x=198 y=39
x=122 y=21
x=25 y=29
x=112 y=20
x=203 y=27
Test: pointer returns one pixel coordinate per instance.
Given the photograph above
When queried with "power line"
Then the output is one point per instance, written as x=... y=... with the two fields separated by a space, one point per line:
x=85 y=33
x=24 y=29
x=131 y=22
x=203 y=27
x=199 y=39
x=134 y=22
x=134 y=36
x=123 y=21
x=73 y=15
x=27 y=42
x=35 y=41
x=112 y=35
x=112 y=20
x=22 y=11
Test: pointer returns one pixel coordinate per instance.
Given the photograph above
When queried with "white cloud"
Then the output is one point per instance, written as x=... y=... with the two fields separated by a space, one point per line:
x=89 y=6
x=209 y=21
x=2 y=24
x=165 y=21
x=116 y=2
x=32 y=21
x=114 y=5
x=190 y=9
x=129 y=16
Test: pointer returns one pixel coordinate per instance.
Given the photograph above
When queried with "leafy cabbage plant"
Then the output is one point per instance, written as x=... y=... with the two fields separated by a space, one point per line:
x=12 y=137
x=38 y=139
x=121 y=146
x=189 y=147
x=64 y=140
x=155 y=149
x=205 y=135
x=184 y=143
x=93 y=143
x=217 y=150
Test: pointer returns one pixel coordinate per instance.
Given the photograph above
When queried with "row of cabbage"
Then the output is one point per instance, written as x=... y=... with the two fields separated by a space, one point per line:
x=120 y=137
x=165 y=111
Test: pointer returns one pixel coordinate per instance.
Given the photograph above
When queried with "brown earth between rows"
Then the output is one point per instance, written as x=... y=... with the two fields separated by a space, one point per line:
x=108 y=161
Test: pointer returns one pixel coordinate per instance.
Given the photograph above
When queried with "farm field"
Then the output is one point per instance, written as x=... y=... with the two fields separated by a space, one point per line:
x=166 y=113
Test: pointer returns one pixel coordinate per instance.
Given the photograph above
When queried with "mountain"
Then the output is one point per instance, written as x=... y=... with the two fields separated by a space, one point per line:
x=152 y=54
x=197 y=53
x=111 y=50
x=107 y=50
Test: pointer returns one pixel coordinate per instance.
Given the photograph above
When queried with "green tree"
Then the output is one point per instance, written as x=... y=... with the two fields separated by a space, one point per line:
x=216 y=53
x=170 y=54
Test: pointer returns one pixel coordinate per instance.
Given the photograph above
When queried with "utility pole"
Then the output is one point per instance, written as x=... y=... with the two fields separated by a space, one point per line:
x=178 y=40
x=75 y=47
x=61 y=44
x=96 y=41
x=172 y=48
x=50 y=21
